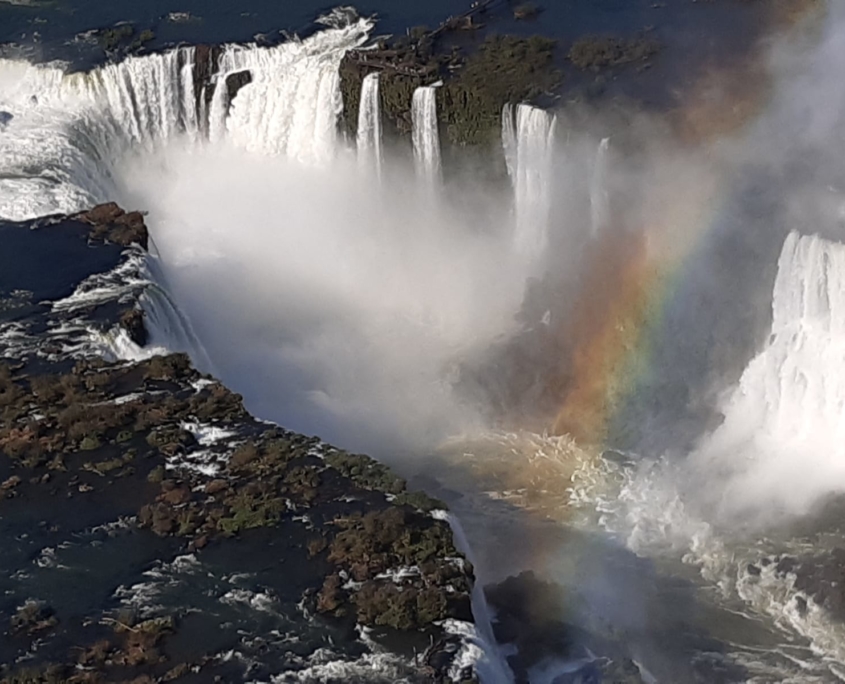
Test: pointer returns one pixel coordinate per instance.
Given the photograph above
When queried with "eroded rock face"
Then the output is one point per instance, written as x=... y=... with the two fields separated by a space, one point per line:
x=151 y=500
x=476 y=85
x=110 y=223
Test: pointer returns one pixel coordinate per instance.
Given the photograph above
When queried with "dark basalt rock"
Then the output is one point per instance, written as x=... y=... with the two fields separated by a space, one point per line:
x=534 y=615
x=86 y=442
x=236 y=81
x=110 y=223
x=133 y=322
x=206 y=63
x=475 y=87
x=820 y=577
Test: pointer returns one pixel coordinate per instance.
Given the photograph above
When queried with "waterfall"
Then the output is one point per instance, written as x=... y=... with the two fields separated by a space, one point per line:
x=292 y=106
x=528 y=142
x=425 y=133
x=168 y=327
x=369 y=124
x=488 y=659
x=76 y=129
x=783 y=438
x=599 y=197
x=509 y=144
x=70 y=131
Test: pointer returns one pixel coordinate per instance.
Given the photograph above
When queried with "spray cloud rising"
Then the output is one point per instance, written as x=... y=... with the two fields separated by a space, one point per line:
x=627 y=283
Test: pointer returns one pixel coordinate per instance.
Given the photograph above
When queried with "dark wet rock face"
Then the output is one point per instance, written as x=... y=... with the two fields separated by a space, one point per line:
x=236 y=81
x=151 y=526
x=820 y=577
x=205 y=74
x=537 y=617
x=206 y=61
x=476 y=83
x=111 y=224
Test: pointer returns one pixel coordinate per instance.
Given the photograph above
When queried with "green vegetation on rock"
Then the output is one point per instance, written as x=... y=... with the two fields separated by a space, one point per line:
x=366 y=472
x=597 y=52
x=111 y=38
x=504 y=69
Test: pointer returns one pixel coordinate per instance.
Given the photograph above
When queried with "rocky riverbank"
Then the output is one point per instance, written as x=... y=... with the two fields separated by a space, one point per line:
x=154 y=531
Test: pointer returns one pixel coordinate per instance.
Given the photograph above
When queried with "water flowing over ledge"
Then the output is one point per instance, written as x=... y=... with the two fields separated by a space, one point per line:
x=426 y=135
x=320 y=297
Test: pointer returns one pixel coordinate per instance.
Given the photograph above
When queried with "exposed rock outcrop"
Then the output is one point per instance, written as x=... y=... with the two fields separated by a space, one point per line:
x=155 y=455
x=475 y=86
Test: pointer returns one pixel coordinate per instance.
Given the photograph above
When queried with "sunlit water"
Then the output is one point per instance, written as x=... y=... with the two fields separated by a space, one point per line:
x=342 y=301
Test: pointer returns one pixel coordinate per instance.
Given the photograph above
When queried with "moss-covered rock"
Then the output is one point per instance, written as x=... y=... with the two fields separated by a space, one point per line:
x=366 y=472
x=475 y=87
x=598 y=52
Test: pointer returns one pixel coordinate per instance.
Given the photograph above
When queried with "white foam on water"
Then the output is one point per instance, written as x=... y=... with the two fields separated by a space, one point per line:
x=68 y=133
x=326 y=666
x=779 y=451
x=207 y=435
x=257 y=601
x=319 y=279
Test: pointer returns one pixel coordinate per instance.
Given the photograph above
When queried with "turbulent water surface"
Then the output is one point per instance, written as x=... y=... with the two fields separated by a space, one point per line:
x=329 y=285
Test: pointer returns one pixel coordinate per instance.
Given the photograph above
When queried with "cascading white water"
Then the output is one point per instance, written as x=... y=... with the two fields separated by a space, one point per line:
x=59 y=151
x=529 y=145
x=369 y=124
x=599 y=196
x=782 y=443
x=426 y=136
x=289 y=279
x=509 y=142
x=68 y=132
x=292 y=105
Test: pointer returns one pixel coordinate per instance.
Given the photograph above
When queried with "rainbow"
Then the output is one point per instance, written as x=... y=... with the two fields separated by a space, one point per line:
x=635 y=276
x=631 y=281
